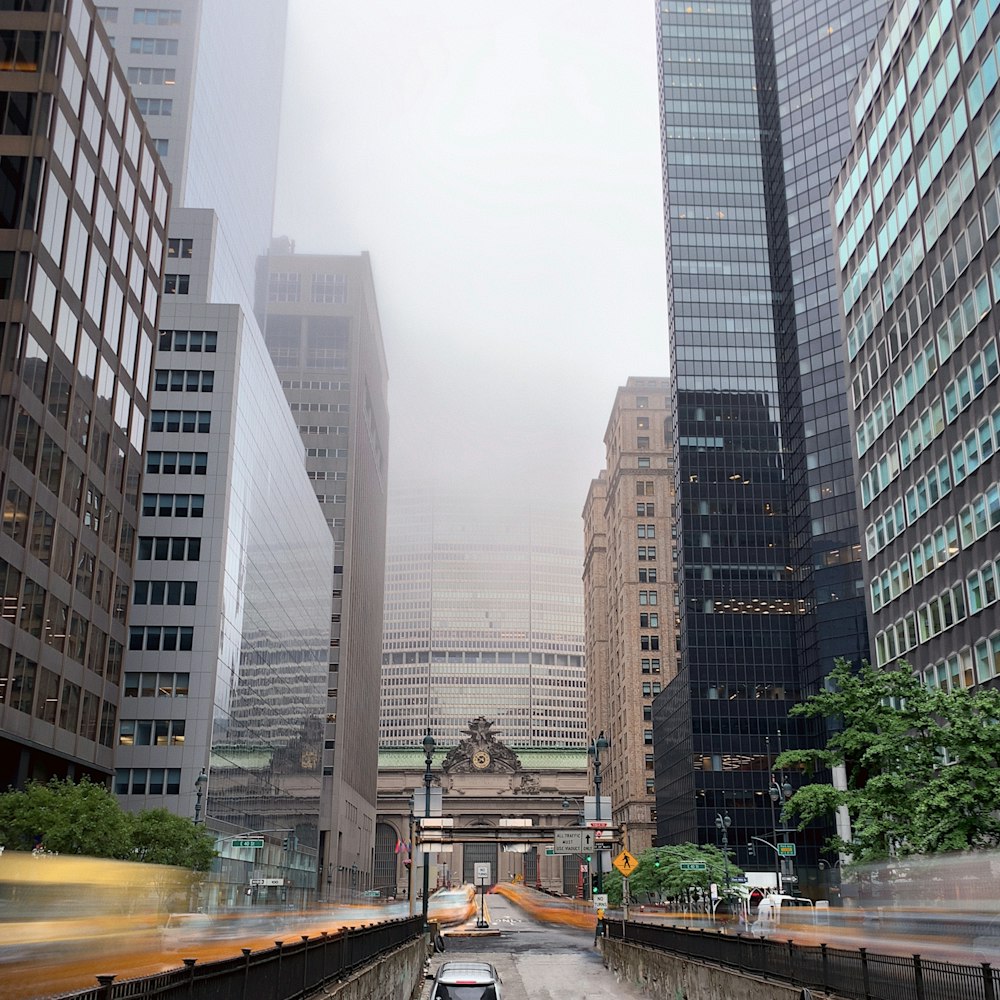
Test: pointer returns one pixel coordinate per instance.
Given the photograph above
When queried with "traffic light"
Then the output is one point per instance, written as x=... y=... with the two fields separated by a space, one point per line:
x=285 y=843
x=752 y=849
x=656 y=863
x=587 y=859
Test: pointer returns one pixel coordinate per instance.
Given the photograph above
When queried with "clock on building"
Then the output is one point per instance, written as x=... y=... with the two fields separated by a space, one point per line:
x=481 y=760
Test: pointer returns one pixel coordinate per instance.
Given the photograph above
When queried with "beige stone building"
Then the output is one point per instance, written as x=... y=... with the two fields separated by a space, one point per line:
x=629 y=611
x=482 y=781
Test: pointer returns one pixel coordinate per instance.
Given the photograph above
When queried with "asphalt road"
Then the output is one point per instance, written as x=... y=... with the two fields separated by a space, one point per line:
x=537 y=961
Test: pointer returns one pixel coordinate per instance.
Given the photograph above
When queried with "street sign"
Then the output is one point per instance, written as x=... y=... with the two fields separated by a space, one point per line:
x=598 y=824
x=786 y=850
x=254 y=842
x=591 y=811
x=481 y=873
x=372 y=893
x=790 y=879
x=625 y=863
x=740 y=879
x=267 y=881
x=573 y=841
x=600 y=900
x=693 y=866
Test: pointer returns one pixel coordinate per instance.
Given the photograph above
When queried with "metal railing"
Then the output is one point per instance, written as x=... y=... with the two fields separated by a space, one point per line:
x=284 y=972
x=857 y=975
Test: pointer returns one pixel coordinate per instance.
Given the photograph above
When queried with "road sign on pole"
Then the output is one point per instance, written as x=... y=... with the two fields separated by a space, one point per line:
x=693 y=866
x=253 y=842
x=625 y=863
x=786 y=850
x=573 y=841
x=481 y=873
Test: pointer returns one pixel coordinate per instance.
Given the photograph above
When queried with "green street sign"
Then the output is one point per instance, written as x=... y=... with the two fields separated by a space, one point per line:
x=249 y=842
x=550 y=852
x=693 y=866
x=786 y=850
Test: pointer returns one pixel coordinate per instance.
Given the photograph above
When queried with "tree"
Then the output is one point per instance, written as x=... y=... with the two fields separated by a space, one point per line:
x=923 y=765
x=68 y=817
x=161 y=838
x=65 y=817
x=659 y=872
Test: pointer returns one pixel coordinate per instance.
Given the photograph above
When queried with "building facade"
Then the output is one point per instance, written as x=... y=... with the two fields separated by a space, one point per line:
x=483 y=615
x=916 y=210
x=222 y=712
x=628 y=584
x=82 y=231
x=768 y=558
x=325 y=341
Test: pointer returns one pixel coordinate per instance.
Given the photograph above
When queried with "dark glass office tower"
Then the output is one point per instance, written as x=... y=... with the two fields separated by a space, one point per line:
x=754 y=120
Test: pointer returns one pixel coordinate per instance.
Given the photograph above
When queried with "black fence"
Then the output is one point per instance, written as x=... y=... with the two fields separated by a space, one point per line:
x=289 y=970
x=858 y=975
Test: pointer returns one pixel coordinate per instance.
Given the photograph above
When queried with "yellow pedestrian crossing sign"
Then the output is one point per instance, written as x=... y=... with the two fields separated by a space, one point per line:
x=625 y=863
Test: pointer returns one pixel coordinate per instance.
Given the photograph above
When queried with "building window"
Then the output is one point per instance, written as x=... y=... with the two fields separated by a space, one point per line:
x=645 y=510
x=649 y=643
x=194 y=341
x=158 y=16
x=153 y=46
x=283 y=286
x=162 y=146
x=151 y=75
x=647 y=553
x=646 y=530
x=156 y=684
x=151 y=781
x=109 y=15
x=176 y=284
x=642 y=402
x=189 y=421
x=168 y=638
x=644 y=488
x=183 y=249
x=649 y=620
x=155 y=106
x=644 y=462
x=329 y=288
x=647 y=737
x=151 y=732
x=647 y=575
x=642 y=443
x=176 y=549
x=176 y=592
x=642 y=423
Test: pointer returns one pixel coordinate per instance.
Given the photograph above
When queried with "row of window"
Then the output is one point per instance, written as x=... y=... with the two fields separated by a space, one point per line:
x=168 y=637
x=151 y=732
x=173 y=504
x=155 y=106
x=189 y=421
x=165 y=592
x=193 y=341
x=326 y=452
x=320 y=407
x=645 y=509
x=647 y=553
x=645 y=530
x=148 y=781
x=38 y=691
x=153 y=75
x=324 y=476
x=647 y=597
x=156 y=684
x=971 y=665
x=320 y=384
x=928 y=555
x=286 y=286
x=176 y=284
x=177 y=462
x=153 y=46
x=183 y=380
x=174 y=548
x=321 y=429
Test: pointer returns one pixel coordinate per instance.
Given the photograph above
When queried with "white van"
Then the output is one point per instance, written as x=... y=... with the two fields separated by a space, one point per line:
x=778 y=910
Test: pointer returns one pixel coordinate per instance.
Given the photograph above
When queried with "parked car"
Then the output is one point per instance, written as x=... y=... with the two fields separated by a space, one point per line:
x=466 y=981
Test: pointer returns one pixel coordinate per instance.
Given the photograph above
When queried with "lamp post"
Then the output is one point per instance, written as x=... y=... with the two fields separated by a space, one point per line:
x=428 y=756
x=594 y=750
x=778 y=792
x=199 y=786
x=722 y=824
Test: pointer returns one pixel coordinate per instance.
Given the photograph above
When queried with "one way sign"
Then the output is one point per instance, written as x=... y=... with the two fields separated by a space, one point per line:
x=625 y=863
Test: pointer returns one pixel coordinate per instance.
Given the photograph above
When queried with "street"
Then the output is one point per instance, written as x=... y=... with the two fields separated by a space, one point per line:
x=537 y=961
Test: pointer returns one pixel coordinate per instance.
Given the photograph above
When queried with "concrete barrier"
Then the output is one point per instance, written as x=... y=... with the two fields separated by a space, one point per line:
x=399 y=974
x=664 y=976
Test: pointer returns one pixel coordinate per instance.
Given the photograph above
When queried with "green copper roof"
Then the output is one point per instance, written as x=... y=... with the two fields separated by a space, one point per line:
x=532 y=759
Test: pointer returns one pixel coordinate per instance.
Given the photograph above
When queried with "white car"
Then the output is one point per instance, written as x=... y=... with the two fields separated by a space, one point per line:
x=777 y=910
x=466 y=981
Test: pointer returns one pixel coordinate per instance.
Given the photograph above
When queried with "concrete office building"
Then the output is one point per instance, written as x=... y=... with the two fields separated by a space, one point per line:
x=768 y=545
x=229 y=632
x=483 y=616
x=82 y=228
x=916 y=211
x=323 y=334
x=628 y=585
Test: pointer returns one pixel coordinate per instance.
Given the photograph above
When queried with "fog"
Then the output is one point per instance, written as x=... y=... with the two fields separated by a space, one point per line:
x=500 y=162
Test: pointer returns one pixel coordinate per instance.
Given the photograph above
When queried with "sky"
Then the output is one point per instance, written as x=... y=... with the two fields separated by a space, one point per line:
x=501 y=164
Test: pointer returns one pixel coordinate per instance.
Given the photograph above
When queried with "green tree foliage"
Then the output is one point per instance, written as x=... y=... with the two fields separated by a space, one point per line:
x=923 y=766
x=84 y=818
x=65 y=817
x=161 y=838
x=659 y=871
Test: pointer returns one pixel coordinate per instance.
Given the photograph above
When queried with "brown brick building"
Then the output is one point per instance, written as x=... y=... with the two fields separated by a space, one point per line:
x=629 y=613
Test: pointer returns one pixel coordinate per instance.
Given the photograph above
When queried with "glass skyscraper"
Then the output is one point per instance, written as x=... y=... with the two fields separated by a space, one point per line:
x=916 y=210
x=754 y=127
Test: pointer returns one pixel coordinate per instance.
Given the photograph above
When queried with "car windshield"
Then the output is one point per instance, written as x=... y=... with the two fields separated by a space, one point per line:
x=455 y=991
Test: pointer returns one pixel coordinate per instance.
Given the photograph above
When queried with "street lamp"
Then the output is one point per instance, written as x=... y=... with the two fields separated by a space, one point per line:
x=428 y=756
x=779 y=792
x=722 y=824
x=594 y=750
x=199 y=786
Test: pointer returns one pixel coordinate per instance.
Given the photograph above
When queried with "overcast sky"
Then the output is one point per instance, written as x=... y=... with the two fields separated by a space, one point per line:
x=500 y=163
